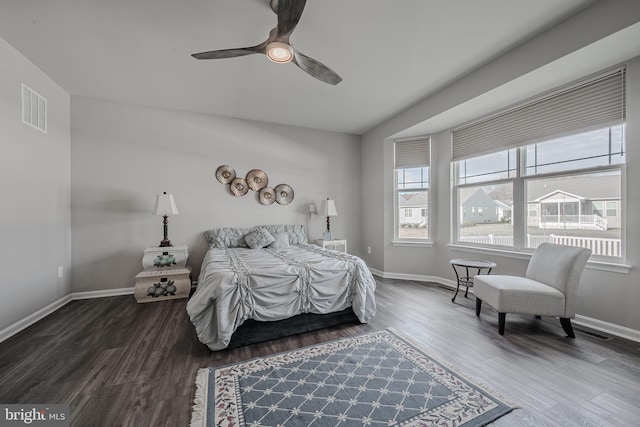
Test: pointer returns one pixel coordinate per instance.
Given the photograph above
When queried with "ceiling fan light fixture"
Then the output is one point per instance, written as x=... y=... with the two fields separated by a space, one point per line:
x=279 y=52
x=277 y=48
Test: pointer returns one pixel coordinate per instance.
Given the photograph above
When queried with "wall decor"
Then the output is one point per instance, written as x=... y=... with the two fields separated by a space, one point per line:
x=257 y=179
x=239 y=187
x=284 y=194
x=225 y=174
x=267 y=196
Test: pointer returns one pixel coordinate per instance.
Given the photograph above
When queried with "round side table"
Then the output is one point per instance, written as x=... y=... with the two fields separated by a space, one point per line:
x=467 y=279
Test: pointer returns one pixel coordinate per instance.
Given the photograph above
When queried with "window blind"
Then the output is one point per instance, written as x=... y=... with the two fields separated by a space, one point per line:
x=412 y=153
x=598 y=102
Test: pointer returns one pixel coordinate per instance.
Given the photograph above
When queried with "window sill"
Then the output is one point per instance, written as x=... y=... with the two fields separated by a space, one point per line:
x=612 y=267
x=410 y=243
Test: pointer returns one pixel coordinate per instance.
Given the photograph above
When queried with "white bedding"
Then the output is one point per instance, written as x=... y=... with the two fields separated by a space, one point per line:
x=236 y=284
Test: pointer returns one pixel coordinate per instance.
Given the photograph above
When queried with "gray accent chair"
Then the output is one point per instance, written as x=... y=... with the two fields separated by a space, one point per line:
x=549 y=288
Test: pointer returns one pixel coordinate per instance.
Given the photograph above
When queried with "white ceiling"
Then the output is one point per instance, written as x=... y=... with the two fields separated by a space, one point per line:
x=389 y=53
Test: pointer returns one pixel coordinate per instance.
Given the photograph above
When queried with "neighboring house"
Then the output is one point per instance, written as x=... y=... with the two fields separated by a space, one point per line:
x=479 y=208
x=413 y=208
x=585 y=203
x=503 y=210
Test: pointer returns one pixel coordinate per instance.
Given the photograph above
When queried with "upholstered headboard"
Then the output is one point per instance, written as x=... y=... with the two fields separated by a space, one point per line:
x=229 y=237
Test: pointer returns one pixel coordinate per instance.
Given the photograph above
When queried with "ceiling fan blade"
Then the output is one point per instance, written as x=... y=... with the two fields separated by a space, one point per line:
x=316 y=69
x=274 y=6
x=289 y=13
x=230 y=53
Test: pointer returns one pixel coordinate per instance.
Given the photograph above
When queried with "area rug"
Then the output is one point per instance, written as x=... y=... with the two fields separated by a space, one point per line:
x=376 y=379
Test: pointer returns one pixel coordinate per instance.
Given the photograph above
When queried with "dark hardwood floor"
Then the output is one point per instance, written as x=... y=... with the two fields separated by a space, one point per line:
x=119 y=363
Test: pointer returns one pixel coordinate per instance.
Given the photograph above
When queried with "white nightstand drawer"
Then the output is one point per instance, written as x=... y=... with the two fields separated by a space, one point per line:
x=159 y=258
x=163 y=285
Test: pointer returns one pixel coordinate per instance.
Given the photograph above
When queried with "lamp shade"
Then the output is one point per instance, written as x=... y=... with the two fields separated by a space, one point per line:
x=165 y=205
x=328 y=208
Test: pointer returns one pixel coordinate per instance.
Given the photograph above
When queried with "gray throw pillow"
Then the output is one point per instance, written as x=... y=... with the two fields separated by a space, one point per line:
x=258 y=237
x=281 y=241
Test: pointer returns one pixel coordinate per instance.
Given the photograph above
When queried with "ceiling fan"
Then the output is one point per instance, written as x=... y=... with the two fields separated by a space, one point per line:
x=277 y=46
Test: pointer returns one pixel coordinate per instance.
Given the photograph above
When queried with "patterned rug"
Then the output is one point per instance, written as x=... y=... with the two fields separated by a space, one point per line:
x=376 y=379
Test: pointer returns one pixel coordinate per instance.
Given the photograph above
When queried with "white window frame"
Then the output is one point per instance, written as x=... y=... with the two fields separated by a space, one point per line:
x=398 y=218
x=521 y=211
x=616 y=208
x=455 y=223
x=411 y=241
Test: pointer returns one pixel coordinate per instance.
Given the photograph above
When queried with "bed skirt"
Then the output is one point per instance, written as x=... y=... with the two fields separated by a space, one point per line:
x=253 y=331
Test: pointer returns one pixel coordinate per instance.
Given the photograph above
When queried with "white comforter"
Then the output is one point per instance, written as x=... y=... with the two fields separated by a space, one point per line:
x=236 y=284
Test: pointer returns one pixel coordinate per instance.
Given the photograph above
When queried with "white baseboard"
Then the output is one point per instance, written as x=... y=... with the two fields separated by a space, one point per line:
x=102 y=294
x=416 y=277
x=376 y=272
x=22 y=324
x=13 y=329
x=595 y=324
x=607 y=328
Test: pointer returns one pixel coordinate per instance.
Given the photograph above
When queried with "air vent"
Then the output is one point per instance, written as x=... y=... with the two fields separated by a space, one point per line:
x=34 y=109
x=593 y=334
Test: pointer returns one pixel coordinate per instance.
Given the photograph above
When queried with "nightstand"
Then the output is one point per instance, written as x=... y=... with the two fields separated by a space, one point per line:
x=333 y=243
x=159 y=285
x=165 y=276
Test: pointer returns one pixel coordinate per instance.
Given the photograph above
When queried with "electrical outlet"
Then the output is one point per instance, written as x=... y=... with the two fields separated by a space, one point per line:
x=369 y=250
x=60 y=271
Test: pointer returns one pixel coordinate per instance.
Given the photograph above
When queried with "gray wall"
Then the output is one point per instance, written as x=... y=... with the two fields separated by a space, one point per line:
x=122 y=155
x=605 y=296
x=34 y=183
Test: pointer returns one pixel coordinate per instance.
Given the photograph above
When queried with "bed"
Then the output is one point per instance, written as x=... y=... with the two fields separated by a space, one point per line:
x=275 y=276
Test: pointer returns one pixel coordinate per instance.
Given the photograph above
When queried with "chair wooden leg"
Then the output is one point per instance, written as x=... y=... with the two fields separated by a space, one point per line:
x=478 y=306
x=501 y=319
x=566 y=325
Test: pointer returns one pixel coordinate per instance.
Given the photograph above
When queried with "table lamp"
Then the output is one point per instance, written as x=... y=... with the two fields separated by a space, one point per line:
x=165 y=206
x=328 y=209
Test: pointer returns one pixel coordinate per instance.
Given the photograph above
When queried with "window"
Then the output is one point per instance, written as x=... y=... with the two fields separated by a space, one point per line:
x=567 y=215
x=492 y=228
x=561 y=185
x=601 y=147
x=597 y=208
x=487 y=167
x=564 y=185
x=411 y=183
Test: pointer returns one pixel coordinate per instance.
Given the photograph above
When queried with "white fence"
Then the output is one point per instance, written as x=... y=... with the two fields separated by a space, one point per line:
x=608 y=247
x=489 y=240
x=598 y=246
x=575 y=222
